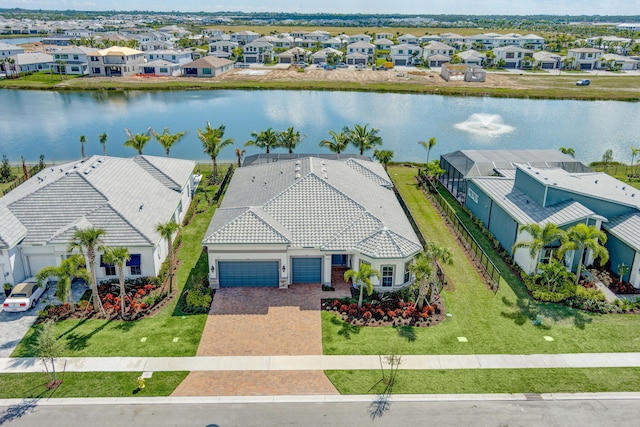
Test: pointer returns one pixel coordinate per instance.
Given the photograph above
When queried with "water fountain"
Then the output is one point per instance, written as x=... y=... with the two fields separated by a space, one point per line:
x=485 y=125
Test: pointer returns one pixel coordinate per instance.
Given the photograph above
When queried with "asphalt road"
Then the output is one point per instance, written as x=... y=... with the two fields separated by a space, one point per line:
x=581 y=413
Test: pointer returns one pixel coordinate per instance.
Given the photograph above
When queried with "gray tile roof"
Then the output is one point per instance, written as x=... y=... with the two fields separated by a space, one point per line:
x=11 y=229
x=526 y=211
x=330 y=205
x=126 y=197
x=626 y=228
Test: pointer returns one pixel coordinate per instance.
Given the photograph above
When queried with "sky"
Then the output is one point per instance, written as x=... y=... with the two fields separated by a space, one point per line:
x=469 y=7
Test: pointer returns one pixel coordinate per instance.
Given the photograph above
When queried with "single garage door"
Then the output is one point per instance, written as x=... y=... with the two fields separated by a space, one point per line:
x=306 y=270
x=248 y=273
x=38 y=262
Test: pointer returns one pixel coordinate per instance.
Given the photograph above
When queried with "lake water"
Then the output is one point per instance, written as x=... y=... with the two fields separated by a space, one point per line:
x=21 y=40
x=50 y=123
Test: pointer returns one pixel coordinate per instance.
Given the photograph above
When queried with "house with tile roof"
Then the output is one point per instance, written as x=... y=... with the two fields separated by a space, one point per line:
x=207 y=66
x=127 y=197
x=295 y=220
x=115 y=61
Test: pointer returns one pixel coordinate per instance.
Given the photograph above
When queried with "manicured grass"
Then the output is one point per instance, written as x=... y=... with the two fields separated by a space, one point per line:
x=116 y=338
x=89 y=384
x=621 y=172
x=563 y=380
x=42 y=79
x=492 y=323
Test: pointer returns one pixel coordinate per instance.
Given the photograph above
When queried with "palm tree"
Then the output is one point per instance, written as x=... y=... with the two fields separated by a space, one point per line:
x=568 y=151
x=362 y=279
x=540 y=238
x=339 y=143
x=635 y=151
x=103 y=141
x=239 y=153
x=89 y=240
x=213 y=143
x=364 y=139
x=383 y=156
x=118 y=257
x=167 y=139
x=266 y=139
x=83 y=140
x=68 y=269
x=428 y=146
x=166 y=231
x=137 y=141
x=290 y=139
x=423 y=269
x=581 y=237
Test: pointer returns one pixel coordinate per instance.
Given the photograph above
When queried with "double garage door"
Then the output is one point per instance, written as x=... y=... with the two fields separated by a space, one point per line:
x=266 y=273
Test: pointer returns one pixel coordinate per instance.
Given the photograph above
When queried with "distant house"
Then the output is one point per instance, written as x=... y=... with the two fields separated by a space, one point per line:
x=160 y=67
x=437 y=53
x=34 y=61
x=513 y=56
x=383 y=44
x=359 y=38
x=472 y=57
x=547 y=60
x=617 y=62
x=357 y=58
x=333 y=43
x=222 y=48
x=73 y=61
x=406 y=54
x=585 y=58
x=293 y=55
x=383 y=35
x=362 y=48
x=258 y=52
x=407 y=39
x=115 y=61
x=323 y=55
x=244 y=37
x=207 y=66
x=7 y=49
x=175 y=56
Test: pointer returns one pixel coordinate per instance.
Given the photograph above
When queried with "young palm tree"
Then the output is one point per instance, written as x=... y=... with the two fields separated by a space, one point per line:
x=424 y=267
x=362 y=138
x=383 y=156
x=167 y=140
x=68 y=269
x=167 y=230
x=362 y=279
x=635 y=151
x=239 y=153
x=540 y=238
x=339 y=142
x=290 y=139
x=103 y=141
x=213 y=143
x=581 y=237
x=83 y=140
x=266 y=139
x=118 y=257
x=428 y=145
x=568 y=151
x=137 y=141
x=88 y=241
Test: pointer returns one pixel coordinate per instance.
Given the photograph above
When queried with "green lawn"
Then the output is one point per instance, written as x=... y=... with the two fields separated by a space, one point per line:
x=89 y=384
x=564 y=380
x=492 y=323
x=116 y=338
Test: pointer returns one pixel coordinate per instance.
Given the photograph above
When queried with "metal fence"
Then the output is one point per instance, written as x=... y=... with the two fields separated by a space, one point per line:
x=32 y=171
x=223 y=184
x=487 y=268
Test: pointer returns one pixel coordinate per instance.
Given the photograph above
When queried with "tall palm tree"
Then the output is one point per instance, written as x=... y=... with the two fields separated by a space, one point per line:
x=118 y=257
x=635 y=151
x=581 y=237
x=362 y=138
x=362 y=279
x=213 y=143
x=83 y=140
x=290 y=139
x=568 y=151
x=428 y=145
x=239 y=153
x=266 y=139
x=166 y=231
x=103 y=141
x=137 y=141
x=167 y=140
x=384 y=157
x=339 y=142
x=88 y=241
x=540 y=238
x=68 y=269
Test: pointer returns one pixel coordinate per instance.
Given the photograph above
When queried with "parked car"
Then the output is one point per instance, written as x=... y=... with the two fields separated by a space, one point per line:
x=24 y=296
x=342 y=65
x=301 y=64
x=583 y=82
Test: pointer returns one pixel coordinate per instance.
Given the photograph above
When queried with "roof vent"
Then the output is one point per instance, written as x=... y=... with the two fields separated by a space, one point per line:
x=87 y=171
x=76 y=166
x=297 y=176
x=52 y=169
x=323 y=163
x=596 y=181
x=61 y=170
x=95 y=165
x=297 y=162
x=624 y=188
x=325 y=176
x=141 y=207
x=297 y=168
x=281 y=172
x=101 y=159
x=324 y=169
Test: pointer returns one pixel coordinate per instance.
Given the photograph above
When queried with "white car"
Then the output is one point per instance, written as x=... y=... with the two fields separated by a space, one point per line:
x=24 y=296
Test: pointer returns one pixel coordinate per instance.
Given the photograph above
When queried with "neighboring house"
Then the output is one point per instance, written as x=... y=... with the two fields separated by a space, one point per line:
x=452 y=39
x=383 y=44
x=125 y=197
x=34 y=61
x=333 y=43
x=175 y=56
x=73 y=60
x=428 y=38
x=244 y=37
x=357 y=58
x=213 y=33
x=547 y=60
x=317 y=36
x=293 y=55
x=363 y=48
x=617 y=62
x=532 y=42
x=406 y=54
x=207 y=66
x=360 y=38
x=585 y=58
x=7 y=50
x=258 y=52
x=513 y=56
x=383 y=35
x=408 y=39
x=222 y=48
x=323 y=55
x=296 y=221
x=160 y=67
x=115 y=61
x=472 y=57
x=438 y=48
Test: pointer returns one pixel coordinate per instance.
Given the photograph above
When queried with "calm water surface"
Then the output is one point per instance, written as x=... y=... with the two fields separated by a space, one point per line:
x=50 y=123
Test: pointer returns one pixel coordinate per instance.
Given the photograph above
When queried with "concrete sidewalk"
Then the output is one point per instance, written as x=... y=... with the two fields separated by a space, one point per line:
x=311 y=363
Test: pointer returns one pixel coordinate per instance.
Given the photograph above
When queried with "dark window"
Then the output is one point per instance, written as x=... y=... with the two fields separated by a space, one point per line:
x=135 y=270
x=387 y=276
x=109 y=270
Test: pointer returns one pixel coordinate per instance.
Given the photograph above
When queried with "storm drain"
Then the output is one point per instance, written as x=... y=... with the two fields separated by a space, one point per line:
x=533 y=396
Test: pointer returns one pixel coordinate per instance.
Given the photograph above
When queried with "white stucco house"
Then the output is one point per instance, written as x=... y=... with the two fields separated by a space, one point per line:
x=290 y=219
x=127 y=197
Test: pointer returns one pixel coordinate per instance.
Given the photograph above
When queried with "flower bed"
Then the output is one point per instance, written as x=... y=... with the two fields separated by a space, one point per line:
x=388 y=310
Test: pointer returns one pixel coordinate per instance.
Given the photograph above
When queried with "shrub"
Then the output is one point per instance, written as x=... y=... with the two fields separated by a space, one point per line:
x=547 y=296
x=589 y=294
x=199 y=299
